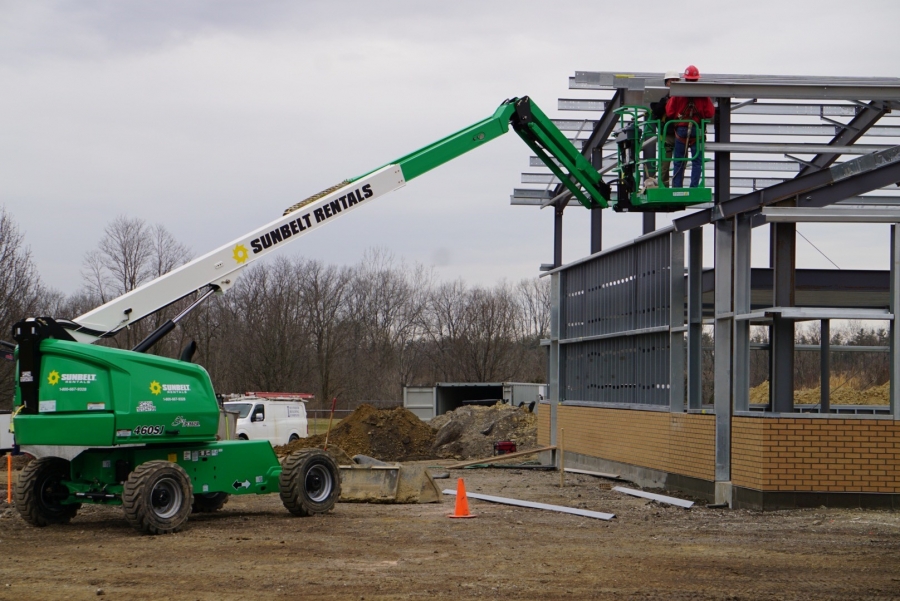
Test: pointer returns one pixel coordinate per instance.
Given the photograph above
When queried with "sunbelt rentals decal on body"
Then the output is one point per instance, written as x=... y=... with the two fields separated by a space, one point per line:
x=71 y=382
x=173 y=392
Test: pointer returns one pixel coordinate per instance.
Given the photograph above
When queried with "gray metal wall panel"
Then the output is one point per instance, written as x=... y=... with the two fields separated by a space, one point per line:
x=617 y=293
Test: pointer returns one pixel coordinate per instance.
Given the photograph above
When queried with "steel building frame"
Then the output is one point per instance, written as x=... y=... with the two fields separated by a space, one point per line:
x=631 y=306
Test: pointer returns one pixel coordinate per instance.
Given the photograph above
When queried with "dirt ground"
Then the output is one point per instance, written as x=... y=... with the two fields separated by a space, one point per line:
x=254 y=549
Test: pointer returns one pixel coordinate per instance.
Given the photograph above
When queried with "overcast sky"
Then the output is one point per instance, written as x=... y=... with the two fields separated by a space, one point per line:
x=213 y=117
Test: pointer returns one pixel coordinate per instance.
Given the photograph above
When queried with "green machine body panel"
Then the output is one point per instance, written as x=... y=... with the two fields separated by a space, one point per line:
x=228 y=466
x=97 y=396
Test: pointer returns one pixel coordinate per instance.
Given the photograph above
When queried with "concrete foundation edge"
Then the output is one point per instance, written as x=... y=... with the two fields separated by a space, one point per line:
x=740 y=497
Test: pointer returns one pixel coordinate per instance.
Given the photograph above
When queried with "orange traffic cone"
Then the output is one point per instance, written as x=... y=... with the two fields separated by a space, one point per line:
x=462 y=503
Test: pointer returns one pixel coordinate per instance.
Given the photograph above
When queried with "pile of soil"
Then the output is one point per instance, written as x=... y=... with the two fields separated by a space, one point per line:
x=839 y=394
x=471 y=431
x=386 y=434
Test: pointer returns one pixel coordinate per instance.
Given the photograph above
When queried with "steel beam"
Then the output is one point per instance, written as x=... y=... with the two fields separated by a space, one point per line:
x=695 y=319
x=853 y=185
x=825 y=366
x=833 y=214
x=853 y=131
x=741 y=362
x=781 y=148
x=581 y=104
x=597 y=159
x=781 y=371
x=722 y=378
x=558 y=234
x=895 y=329
x=823 y=187
x=817 y=91
x=676 y=322
x=556 y=366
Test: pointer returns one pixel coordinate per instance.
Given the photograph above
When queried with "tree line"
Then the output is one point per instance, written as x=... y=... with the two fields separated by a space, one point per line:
x=357 y=333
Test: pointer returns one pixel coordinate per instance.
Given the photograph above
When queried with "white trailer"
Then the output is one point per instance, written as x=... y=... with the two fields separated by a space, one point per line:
x=7 y=443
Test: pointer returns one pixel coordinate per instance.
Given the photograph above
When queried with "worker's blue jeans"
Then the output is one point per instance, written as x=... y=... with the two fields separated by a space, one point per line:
x=696 y=162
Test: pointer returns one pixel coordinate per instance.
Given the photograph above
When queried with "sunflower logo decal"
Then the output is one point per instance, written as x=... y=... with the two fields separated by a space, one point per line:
x=155 y=387
x=240 y=253
x=53 y=378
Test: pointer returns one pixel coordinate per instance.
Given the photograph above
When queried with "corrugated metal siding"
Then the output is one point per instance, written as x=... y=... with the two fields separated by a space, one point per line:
x=614 y=295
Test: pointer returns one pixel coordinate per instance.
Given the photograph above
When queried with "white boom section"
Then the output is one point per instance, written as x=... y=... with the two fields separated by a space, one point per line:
x=221 y=267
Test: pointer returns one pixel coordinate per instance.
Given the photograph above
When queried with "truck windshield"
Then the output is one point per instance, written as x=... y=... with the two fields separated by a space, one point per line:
x=243 y=409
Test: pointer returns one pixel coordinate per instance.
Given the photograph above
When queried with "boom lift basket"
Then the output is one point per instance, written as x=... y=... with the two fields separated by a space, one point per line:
x=640 y=155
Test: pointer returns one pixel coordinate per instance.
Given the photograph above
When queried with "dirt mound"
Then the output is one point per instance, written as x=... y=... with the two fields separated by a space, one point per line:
x=386 y=434
x=471 y=431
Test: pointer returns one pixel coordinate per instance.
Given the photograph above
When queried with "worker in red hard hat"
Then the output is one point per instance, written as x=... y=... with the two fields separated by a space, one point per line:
x=658 y=112
x=688 y=113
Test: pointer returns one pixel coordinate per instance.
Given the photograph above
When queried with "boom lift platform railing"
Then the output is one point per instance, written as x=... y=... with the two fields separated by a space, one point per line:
x=641 y=156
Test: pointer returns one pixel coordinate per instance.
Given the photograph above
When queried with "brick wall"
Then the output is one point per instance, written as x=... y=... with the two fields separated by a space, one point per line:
x=543 y=424
x=822 y=455
x=801 y=454
x=677 y=443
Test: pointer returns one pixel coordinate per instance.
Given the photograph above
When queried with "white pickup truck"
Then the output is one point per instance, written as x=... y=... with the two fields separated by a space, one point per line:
x=279 y=418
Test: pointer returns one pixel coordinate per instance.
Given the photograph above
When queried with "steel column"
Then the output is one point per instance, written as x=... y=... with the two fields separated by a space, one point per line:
x=781 y=371
x=558 y=233
x=649 y=223
x=597 y=212
x=724 y=317
x=695 y=319
x=741 y=372
x=895 y=329
x=825 y=365
x=676 y=322
x=722 y=191
x=554 y=377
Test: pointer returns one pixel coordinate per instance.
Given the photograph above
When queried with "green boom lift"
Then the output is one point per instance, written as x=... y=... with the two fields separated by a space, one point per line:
x=128 y=428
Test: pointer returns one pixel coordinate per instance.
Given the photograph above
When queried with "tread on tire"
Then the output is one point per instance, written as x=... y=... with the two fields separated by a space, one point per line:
x=157 y=497
x=310 y=482
x=40 y=490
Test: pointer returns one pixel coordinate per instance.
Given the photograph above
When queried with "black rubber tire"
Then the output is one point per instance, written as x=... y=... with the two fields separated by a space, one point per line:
x=242 y=437
x=293 y=438
x=310 y=482
x=40 y=490
x=209 y=502
x=157 y=497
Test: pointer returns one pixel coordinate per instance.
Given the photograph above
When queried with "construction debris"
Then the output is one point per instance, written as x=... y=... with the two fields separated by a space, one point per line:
x=387 y=434
x=518 y=503
x=471 y=430
x=572 y=470
x=387 y=483
x=654 y=497
x=499 y=458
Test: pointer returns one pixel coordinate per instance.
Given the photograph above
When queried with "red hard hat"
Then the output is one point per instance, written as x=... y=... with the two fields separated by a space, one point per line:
x=692 y=73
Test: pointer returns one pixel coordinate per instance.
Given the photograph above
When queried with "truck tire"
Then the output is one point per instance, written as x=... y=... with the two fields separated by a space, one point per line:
x=40 y=492
x=310 y=482
x=157 y=497
x=209 y=502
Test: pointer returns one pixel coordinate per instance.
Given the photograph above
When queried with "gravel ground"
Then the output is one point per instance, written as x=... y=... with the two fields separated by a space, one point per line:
x=254 y=549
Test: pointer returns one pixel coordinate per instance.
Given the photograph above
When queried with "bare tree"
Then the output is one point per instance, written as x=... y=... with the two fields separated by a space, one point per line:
x=130 y=253
x=21 y=292
x=324 y=292
x=387 y=301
